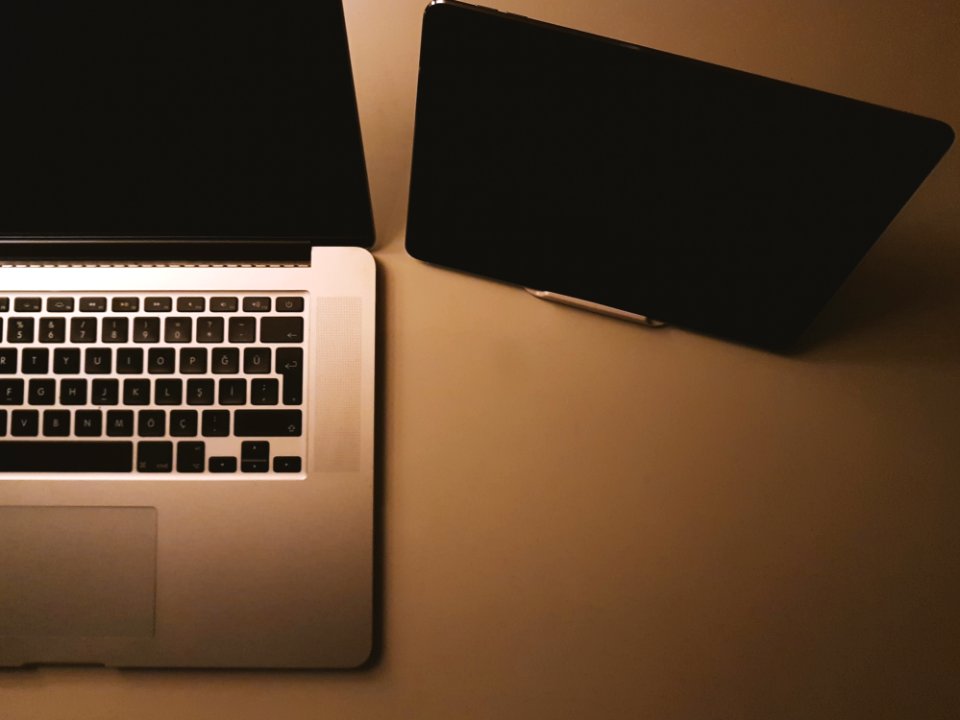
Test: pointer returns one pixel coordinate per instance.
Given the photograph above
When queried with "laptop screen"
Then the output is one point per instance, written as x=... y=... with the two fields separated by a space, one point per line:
x=160 y=119
x=709 y=198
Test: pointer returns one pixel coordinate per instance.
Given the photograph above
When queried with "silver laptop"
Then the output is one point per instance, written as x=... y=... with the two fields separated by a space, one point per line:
x=187 y=315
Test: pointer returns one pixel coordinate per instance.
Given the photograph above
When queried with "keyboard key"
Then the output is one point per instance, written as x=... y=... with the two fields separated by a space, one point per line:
x=290 y=304
x=233 y=392
x=157 y=304
x=130 y=361
x=36 y=361
x=191 y=304
x=146 y=330
x=3 y=421
x=286 y=464
x=254 y=456
x=93 y=304
x=83 y=329
x=4 y=304
x=216 y=423
x=256 y=360
x=222 y=464
x=191 y=457
x=193 y=361
x=115 y=330
x=226 y=361
x=183 y=423
x=8 y=361
x=24 y=423
x=98 y=361
x=256 y=304
x=105 y=392
x=73 y=392
x=168 y=392
x=26 y=304
x=20 y=330
x=199 y=392
x=264 y=392
x=178 y=330
x=56 y=423
x=11 y=392
x=243 y=329
x=125 y=304
x=223 y=304
x=60 y=304
x=53 y=330
x=267 y=423
x=281 y=329
x=136 y=392
x=88 y=423
x=66 y=361
x=161 y=361
x=155 y=457
x=151 y=423
x=42 y=392
x=58 y=456
x=290 y=367
x=210 y=329
x=120 y=423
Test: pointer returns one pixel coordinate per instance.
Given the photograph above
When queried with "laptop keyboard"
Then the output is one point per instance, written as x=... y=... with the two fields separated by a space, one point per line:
x=179 y=383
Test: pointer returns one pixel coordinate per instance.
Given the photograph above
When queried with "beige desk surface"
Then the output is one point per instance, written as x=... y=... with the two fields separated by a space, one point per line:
x=587 y=519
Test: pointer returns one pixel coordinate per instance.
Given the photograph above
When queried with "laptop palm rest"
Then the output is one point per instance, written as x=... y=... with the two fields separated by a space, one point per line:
x=77 y=571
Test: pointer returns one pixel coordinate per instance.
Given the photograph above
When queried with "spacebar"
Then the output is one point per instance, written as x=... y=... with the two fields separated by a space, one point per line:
x=45 y=456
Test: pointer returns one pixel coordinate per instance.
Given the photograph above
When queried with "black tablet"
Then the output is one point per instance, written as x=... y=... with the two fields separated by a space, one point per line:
x=709 y=198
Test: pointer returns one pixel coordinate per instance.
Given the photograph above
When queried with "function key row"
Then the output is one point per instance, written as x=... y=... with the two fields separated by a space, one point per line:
x=219 y=304
x=176 y=329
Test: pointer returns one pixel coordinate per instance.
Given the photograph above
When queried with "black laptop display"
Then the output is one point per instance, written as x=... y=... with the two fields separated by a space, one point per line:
x=706 y=197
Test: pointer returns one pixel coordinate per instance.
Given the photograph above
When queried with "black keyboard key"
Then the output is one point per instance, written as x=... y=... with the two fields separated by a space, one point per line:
x=157 y=304
x=105 y=392
x=115 y=330
x=11 y=392
x=290 y=367
x=60 y=304
x=168 y=392
x=73 y=392
x=146 y=330
x=35 y=361
x=193 y=361
x=256 y=304
x=222 y=464
x=93 y=304
x=98 y=361
x=256 y=360
x=136 y=392
x=290 y=304
x=125 y=304
x=210 y=329
x=233 y=392
x=254 y=456
x=183 y=423
x=130 y=361
x=88 y=423
x=155 y=457
x=20 y=330
x=281 y=329
x=199 y=392
x=191 y=304
x=160 y=361
x=151 y=423
x=267 y=423
x=8 y=361
x=42 y=392
x=264 y=392
x=52 y=330
x=178 y=330
x=191 y=457
x=24 y=423
x=120 y=423
x=223 y=304
x=243 y=329
x=66 y=361
x=226 y=361
x=216 y=423
x=26 y=304
x=4 y=304
x=83 y=330
x=3 y=421
x=56 y=423
x=58 y=456
x=287 y=464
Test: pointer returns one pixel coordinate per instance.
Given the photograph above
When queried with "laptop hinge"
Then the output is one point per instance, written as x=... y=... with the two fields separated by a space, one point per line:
x=160 y=251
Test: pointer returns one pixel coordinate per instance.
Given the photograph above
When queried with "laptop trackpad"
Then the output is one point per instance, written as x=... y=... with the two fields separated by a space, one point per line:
x=77 y=571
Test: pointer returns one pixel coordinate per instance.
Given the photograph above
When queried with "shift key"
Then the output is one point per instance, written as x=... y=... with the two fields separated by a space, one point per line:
x=267 y=423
